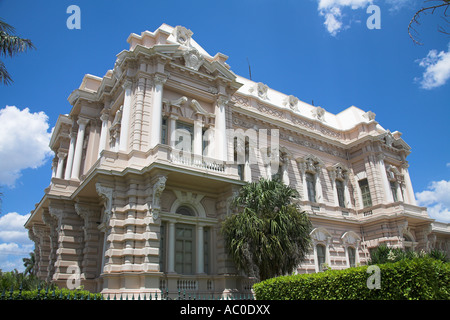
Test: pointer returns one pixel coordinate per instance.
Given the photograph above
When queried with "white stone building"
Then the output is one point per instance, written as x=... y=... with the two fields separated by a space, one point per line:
x=149 y=156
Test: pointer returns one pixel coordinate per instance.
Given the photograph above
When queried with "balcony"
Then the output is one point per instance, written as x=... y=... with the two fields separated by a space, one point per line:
x=394 y=209
x=163 y=155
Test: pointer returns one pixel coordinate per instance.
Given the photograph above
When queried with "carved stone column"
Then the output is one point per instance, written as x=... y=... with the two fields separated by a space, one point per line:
x=125 y=124
x=155 y=136
x=385 y=182
x=410 y=198
x=220 y=135
x=79 y=148
x=138 y=113
x=59 y=168
x=69 y=162
x=103 y=133
x=198 y=141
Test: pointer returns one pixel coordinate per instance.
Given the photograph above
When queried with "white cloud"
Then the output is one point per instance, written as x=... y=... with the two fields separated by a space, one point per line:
x=437 y=200
x=437 y=69
x=12 y=228
x=14 y=242
x=396 y=5
x=332 y=11
x=24 y=140
x=354 y=4
x=332 y=21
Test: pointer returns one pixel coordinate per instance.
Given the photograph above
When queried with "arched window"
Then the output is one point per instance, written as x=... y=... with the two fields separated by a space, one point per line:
x=185 y=243
x=185 y=211
x=310 y=168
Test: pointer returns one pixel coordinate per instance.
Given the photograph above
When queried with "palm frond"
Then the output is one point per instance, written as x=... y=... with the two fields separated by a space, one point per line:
x=5 y=27
x=12 y=45
x=4 y=75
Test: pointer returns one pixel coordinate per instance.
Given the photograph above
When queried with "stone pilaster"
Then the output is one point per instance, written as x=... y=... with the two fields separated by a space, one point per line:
x=90 y=215
x=70 y=241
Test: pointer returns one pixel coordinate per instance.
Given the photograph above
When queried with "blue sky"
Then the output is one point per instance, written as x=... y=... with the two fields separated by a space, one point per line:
x=316 y=50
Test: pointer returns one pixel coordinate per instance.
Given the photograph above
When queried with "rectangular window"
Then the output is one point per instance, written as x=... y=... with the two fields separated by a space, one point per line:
x=240 y=168
x=311 y=185
x=206 y=235
x=340 y=193
x=394 y=190
x=184 y=249
x=365 y=193
x=321 y=256
x=188 y=131
x=351 y=256
x=164 y=130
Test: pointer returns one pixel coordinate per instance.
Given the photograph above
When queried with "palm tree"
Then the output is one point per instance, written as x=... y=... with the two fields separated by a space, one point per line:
x=268 y=235
x=10 y=45
x=28 y=263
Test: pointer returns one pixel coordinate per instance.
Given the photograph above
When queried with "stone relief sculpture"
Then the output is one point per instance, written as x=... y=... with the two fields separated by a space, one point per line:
x=183 y=35
x=292 y=103
x=158 y=188
x=106 y=194
x=193 y=59
x=319 y=113
x=261 y=90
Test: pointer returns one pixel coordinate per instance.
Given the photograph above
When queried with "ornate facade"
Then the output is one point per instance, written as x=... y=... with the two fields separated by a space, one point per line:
x=150 y=155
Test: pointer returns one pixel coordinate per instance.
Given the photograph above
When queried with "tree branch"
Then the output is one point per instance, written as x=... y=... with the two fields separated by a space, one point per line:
x=415 y=19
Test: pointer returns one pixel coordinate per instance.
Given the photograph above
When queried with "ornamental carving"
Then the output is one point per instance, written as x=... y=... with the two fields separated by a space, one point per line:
x=158 y=189
x=301 y=141
x=240 y=100
x=319 y=113
x=338 y=171
x=270 y=111
x=261 y=90
x=106 y=194
x=291 y=102
x=369 y=115
x=193 y=59
x=183 y=35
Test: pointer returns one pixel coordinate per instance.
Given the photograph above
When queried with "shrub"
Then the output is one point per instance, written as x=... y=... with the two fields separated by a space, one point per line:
x=414 y=279
x=45 y=294
x=384 y=254
x=17 y=286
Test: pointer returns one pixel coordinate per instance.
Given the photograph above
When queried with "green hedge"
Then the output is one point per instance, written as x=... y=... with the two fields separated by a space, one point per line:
x=419 y=278
x=44 y=294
